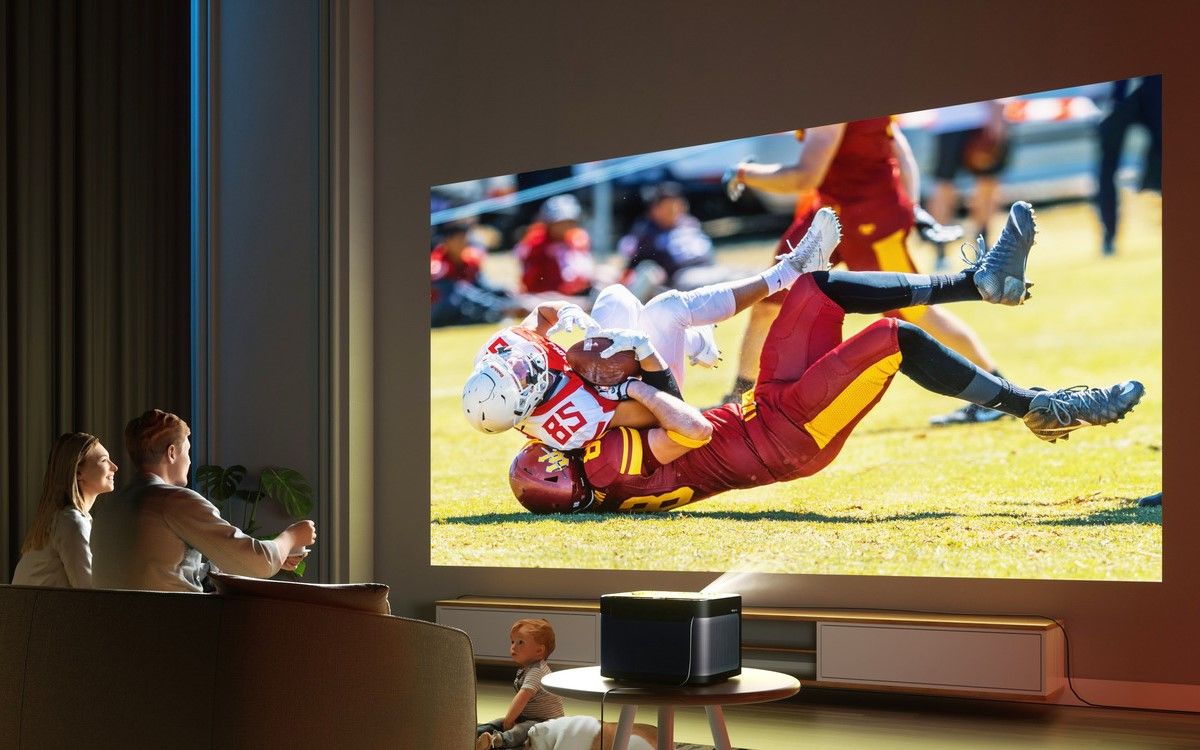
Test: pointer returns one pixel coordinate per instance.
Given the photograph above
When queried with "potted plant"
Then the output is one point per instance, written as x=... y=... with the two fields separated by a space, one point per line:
x=287 y=487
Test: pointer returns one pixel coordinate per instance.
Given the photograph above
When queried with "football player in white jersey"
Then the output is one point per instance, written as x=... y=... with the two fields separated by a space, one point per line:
x=521 y=378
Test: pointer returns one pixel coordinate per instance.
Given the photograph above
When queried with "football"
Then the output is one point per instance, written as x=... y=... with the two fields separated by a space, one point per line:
x=584 y=358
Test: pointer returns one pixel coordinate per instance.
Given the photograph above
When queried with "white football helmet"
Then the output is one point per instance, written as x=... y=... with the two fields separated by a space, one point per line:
x=504 y=388
x=507 y=343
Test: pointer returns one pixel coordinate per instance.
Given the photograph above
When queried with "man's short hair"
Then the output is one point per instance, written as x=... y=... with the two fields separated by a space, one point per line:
x=147 y=436
x=541 y=631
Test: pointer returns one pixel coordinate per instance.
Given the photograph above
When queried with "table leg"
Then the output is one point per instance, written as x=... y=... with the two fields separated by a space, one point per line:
x=624 y=728
x=716 y=723
x=666 y=727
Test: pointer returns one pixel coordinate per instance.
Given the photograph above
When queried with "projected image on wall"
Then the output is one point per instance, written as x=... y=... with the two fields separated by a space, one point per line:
x=921 y=344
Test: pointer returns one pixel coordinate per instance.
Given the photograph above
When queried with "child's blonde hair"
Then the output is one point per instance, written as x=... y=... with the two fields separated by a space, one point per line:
x=541 y=631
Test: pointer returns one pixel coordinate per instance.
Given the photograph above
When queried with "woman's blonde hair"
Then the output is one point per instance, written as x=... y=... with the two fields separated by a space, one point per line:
x=60 y=487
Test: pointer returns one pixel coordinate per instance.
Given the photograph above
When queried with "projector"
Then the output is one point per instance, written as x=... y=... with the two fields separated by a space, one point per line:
x=670 y=637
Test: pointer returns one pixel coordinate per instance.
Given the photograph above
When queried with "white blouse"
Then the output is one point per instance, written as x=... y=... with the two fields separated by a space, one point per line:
x=65 y=560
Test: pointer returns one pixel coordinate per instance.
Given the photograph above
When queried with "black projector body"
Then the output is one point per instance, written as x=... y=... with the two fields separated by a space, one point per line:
x=670 y=637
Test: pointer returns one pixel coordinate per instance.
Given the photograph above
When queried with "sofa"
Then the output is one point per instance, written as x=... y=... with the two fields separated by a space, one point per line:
x=133 y=669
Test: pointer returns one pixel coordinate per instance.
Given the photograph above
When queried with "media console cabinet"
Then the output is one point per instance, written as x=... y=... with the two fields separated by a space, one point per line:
x=986 y=656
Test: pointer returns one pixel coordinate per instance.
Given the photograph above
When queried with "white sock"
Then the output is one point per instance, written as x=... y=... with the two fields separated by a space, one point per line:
x=780 y=276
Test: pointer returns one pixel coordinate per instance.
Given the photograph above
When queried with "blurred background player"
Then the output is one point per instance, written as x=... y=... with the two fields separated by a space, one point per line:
x=667 y=249
x=1136 y=101
x=458 y=292
x=973 y=136
x=556 y=255
x=866 y=172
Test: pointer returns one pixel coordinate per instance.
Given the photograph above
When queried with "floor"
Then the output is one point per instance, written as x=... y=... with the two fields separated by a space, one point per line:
x=844 y=720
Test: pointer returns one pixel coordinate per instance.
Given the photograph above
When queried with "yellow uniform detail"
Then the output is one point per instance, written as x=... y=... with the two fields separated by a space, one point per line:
x=912 y=314
x=554 y=460
x=686 y=441
x=866 y=230
x=749 y=408
x=665 y=501
x=631 y=451
x=892 y=255
x=591 y=450
x=852 y=400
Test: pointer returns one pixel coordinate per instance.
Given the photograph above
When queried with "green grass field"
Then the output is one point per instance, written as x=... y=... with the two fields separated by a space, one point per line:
x=981 y=501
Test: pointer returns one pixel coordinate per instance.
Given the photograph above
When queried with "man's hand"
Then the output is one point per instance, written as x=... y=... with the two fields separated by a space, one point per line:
x=572 y=317
x=617 y=392
x=292 y=561
x=933 y=231
x=294 y=539
x=627 y=339
x=304 y=533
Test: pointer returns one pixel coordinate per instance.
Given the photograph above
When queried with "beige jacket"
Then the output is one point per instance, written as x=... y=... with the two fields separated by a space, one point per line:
x=152 y=536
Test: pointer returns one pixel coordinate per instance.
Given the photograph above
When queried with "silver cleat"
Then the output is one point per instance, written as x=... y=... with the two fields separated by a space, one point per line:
x=1055 y=414
x=1000 y=272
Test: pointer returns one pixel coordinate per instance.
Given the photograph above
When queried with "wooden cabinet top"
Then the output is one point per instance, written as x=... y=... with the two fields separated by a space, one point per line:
x=864 y=616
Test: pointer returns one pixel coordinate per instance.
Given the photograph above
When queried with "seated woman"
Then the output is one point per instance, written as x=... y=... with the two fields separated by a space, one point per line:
x=57 y=549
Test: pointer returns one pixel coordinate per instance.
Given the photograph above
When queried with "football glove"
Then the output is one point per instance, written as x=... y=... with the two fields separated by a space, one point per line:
x=933 y=231
x=616 y=392
x=572 y=317
x=627 y=339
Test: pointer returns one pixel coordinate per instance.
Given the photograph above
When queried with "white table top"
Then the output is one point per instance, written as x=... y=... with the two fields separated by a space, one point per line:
x=751 y=686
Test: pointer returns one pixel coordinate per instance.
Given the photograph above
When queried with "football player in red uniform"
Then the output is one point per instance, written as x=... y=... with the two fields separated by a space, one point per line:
x=521 y=378
x=865 y=170
x=812 y=389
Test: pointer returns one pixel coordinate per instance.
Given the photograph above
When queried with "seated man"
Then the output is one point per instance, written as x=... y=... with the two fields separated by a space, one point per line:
x=458 y=292
x=556 y=255
x=812 y=389
x=152 y=535
x=667 y=249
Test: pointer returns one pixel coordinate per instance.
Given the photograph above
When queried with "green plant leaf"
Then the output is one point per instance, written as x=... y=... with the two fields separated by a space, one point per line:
x=299 y=571
x=219 y=484
x=290 y=489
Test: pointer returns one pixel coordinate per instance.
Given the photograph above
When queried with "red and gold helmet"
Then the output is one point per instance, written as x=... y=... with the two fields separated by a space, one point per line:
x=546 y=480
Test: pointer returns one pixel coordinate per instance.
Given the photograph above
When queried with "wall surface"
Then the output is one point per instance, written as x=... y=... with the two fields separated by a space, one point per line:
x=264 y=362
x=466 y=89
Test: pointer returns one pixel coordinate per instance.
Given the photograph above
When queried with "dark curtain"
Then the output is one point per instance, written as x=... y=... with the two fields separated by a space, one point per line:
x=94 y=278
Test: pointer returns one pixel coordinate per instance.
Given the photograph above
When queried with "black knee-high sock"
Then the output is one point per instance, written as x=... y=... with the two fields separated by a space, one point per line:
x=941 y=370
x=880 y=291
